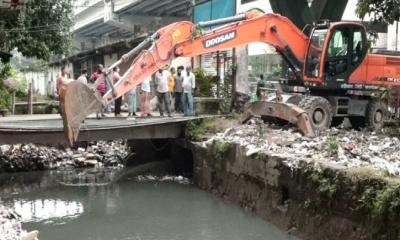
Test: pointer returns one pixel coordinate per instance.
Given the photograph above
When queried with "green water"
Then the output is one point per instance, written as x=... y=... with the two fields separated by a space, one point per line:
x=128 y=209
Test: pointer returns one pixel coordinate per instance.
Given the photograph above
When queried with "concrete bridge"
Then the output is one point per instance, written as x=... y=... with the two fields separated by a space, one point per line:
x=48 y=129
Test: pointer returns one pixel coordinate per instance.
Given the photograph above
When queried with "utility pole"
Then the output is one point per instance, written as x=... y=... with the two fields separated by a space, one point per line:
x=397 y=36
x=30 y=103
x=13 y=103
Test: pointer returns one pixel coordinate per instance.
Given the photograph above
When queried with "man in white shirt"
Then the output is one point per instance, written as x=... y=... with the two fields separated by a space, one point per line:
x=145 y=97
x=188 y=85
x=83 y=77
x=163 y=95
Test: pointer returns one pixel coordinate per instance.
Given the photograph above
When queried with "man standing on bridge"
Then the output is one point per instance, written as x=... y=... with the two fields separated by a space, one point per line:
x=62 y=80
x=188 y=84
x=145 y=97
x=163 y=95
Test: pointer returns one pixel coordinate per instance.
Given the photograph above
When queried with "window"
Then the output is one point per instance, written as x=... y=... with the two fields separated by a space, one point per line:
x=339 y=43
x=338 y=52
x=358 y=45
x=315 y=52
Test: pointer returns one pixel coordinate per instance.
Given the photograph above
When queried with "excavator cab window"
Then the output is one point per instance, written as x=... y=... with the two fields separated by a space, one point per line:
x=315 y=52
x=346 y=49
x=338 y=52
x=358 y=45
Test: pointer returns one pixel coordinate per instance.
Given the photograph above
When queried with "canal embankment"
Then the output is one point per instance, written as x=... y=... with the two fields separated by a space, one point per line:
x=344 y=184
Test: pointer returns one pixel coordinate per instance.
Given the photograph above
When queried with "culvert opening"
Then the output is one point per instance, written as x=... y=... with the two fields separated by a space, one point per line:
x=284 y=195
x=174 y=158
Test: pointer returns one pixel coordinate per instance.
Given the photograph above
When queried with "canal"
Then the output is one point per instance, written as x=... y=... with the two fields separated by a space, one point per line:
x=63 y=206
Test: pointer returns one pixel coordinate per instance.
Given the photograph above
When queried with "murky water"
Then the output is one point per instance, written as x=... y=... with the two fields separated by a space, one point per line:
x=127 y=209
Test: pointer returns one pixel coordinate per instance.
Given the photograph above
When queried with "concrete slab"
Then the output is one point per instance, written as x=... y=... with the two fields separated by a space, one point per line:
x=48 y=129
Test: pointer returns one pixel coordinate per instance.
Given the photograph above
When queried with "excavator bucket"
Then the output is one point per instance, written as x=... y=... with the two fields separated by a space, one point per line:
x=280 y=110
x=77 y=101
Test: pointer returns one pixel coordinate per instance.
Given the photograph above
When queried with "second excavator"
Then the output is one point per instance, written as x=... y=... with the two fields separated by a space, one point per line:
x=330 y=64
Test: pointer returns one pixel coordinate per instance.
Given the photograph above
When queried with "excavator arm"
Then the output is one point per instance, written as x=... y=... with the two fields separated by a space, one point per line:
x=181 y=39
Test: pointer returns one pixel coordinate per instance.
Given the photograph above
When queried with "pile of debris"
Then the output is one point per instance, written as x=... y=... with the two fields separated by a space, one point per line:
x=340 y=147
x=31 y=157
x=166 y=178
x=10 y=226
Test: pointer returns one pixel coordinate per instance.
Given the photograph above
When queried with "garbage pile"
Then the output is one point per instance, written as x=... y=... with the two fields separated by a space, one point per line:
x=341 y=147
x=31 y=157
x=166 y=178
x=10 y=226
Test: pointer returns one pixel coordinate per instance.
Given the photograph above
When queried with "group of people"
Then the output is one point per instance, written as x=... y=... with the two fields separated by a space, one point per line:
x=176 y=84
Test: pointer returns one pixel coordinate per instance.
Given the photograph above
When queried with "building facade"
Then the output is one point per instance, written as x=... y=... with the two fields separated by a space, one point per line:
x=104 y=30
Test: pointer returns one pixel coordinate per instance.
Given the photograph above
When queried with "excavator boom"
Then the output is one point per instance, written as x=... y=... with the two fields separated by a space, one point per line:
x=180 y=40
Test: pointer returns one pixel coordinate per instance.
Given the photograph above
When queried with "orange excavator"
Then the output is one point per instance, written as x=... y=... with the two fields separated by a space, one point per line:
x=333 y=74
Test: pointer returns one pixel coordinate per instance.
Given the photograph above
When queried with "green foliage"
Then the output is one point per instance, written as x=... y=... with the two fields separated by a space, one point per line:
x=5 y=100
x=37 y=65
x=372 y=199
x=380 y=10
x=41 y=29
x=382 y=202
x=18 y=84
x=198 y=130
x=4 y=94
x=325 y=185
x=332 y=146
x=204 y=83
x=18 y=80
x=276 y=72
x=219 y=150
x=40 y=98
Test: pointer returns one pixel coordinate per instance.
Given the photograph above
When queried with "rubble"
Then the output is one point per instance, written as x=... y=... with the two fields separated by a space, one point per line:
x=166 y=178
x=339 y=147
x=10 y=226
x=31 y=157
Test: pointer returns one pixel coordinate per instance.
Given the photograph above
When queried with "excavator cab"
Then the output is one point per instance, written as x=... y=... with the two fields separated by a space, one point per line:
x=334 y=52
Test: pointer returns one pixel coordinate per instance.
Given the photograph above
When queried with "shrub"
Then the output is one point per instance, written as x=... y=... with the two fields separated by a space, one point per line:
x=332 y=146
x=204 y=83
x=11 y=79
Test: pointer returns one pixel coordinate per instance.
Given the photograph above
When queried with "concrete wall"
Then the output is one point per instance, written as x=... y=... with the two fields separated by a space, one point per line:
x=393 y=43
x=310 y=201
x=39 y=82
x=109 y=59
x=242 y=73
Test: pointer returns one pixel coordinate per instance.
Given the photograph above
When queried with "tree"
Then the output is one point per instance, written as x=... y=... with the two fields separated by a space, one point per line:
x=380 y=10
x=39 y=30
